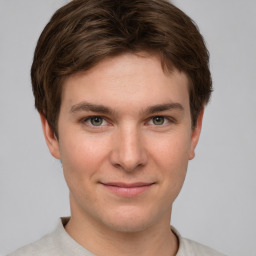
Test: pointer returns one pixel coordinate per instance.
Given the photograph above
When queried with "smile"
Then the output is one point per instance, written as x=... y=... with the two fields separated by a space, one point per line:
x=127 y=190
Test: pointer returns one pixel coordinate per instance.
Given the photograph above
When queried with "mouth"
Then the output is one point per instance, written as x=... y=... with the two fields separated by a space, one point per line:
x=127 y=189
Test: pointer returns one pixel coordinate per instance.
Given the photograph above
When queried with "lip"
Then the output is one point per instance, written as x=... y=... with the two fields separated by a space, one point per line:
x=127 y=189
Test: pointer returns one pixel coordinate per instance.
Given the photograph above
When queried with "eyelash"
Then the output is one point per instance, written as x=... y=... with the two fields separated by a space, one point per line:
x=89 y=119
x=149 y=121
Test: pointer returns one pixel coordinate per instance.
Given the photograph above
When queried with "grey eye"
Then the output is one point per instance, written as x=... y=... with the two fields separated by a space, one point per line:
x=158 y=120
x=96 y=121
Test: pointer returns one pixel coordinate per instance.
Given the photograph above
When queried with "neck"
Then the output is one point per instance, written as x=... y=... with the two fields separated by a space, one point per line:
x=157 y=239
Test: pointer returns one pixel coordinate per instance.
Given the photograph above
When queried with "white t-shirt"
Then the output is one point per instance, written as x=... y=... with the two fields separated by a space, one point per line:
x=59 y=243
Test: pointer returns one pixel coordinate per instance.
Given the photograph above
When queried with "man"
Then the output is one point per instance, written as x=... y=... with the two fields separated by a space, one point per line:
x=120 y=87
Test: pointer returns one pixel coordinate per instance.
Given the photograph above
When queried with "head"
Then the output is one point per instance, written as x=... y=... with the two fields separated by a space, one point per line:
x=84 y=32
x=121 y=87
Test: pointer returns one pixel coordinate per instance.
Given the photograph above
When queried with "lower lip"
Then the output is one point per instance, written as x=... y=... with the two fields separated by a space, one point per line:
x=128 y=192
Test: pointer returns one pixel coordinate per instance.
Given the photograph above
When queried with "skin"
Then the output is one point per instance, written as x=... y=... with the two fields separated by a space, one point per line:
x=124 y=139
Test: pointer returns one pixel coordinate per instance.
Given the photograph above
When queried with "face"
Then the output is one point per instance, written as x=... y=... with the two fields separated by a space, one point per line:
x=125 y=140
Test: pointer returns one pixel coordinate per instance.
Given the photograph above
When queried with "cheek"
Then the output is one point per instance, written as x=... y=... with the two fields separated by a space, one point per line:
x=81 y=159
x=82 y=150
x=171 y=156
x=172 y=150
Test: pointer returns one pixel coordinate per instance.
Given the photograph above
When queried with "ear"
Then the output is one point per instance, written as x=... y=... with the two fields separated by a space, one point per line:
x=195 y=135
x=50 y=138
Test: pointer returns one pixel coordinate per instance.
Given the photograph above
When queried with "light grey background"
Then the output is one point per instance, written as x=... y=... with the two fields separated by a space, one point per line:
x=217 y=205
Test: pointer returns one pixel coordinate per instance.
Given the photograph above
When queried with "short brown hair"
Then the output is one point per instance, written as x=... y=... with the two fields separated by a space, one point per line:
x=84 y=32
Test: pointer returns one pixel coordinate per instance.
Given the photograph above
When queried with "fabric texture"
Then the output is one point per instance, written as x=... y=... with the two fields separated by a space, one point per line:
x=59 y=243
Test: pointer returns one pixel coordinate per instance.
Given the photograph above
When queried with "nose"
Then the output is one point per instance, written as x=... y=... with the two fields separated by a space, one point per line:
x=128 y=152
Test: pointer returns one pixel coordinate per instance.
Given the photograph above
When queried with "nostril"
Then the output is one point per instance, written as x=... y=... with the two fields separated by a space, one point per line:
x=128 y=152
x=128 y=164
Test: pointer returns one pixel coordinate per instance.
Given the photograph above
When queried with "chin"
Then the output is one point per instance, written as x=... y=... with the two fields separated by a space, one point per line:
x=129 y=221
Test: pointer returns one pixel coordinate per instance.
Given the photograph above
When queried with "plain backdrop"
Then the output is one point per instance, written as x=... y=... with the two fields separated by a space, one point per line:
x=217 y=205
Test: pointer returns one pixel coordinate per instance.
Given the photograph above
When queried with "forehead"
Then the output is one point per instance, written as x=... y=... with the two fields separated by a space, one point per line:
x=128 y=78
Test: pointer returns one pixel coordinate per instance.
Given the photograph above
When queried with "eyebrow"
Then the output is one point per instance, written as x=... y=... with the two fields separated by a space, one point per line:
x=164 y=107
x=85 y=106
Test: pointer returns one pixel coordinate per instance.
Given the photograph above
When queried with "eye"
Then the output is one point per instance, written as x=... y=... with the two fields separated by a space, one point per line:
x=158 y=120
x=96 y=121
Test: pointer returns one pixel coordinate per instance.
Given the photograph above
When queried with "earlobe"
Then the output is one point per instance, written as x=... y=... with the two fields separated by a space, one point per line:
x=196 y=134
x=50 y=138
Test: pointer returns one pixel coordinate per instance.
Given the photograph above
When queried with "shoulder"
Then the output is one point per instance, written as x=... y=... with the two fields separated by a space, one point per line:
x=44 y=246
x=57 y=243
x=189 y=248
x=50 y=244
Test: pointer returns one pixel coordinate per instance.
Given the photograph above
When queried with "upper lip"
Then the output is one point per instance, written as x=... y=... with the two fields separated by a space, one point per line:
x=127 y=185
